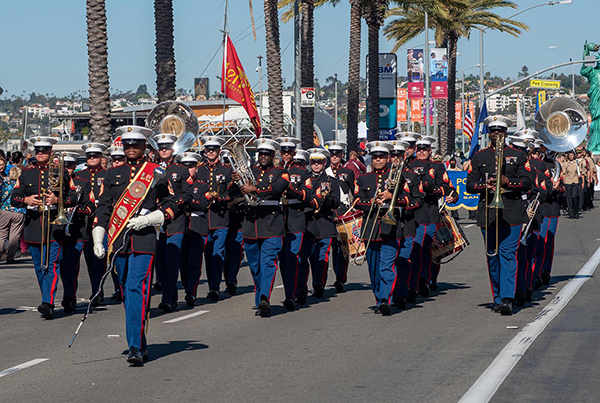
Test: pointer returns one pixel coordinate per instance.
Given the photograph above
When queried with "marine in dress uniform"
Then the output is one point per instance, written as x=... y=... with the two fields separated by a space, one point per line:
x=117 y=157
x=168 y=253
x=264 y=226
x=76 y=234
x=516 y=177
x=346 y=180
x=295 y=203
x=32 y=192
x=94 y=175
x=301 y=157
x=135 y=246
x=373 y=196
x=218 y=179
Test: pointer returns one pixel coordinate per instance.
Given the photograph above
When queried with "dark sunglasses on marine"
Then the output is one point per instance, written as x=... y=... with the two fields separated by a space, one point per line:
x=42 y=149
x=287 y=150
x=93 y=155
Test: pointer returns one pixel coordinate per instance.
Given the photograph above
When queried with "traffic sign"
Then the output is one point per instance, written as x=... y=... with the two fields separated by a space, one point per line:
x=544 y=84
x=307 y=97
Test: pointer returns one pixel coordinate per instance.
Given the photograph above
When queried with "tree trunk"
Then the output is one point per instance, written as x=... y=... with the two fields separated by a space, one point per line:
x=165 y=53
x=307 y=71
x=98 y=71
x=354 y=75
x=274 y=77
x=452 y=45
x=374 y=18
x=442 y=114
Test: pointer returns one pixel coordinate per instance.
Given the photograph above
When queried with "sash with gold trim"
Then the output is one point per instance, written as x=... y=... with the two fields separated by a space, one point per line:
x=130 y=202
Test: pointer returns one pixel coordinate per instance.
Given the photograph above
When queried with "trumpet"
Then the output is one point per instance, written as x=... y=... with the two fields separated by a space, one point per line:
x=497 y=202
x=393 y=183
x=532 y=209
x=360 y=260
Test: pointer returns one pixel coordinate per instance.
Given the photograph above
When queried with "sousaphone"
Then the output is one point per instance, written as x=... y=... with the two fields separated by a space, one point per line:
x=562 y=124
x=174 y=118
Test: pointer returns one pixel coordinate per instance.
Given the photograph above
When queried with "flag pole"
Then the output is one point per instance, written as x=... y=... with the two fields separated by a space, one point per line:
x=224 y=72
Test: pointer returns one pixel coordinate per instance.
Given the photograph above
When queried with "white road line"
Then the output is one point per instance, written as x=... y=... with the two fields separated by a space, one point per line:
x=184 y=317
x=469 y=226
x=279 y=286
x=22 y=366
x=488 y=383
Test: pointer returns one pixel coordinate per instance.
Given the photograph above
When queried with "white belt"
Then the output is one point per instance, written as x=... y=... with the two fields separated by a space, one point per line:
x=38 y=207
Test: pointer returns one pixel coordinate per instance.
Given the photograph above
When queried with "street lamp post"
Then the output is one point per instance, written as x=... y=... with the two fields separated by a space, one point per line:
x=259 y=69
x=572 y=67
x=482 y=31
x=336 y=108
x=427 y=72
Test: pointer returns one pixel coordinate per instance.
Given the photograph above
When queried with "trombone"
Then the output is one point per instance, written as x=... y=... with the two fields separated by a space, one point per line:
x=496 y=202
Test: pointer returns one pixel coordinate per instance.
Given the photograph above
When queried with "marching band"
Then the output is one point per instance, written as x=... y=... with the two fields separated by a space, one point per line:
x=164 y=216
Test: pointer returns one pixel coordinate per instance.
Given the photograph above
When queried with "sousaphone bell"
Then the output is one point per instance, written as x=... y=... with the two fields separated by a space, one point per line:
x=562 y=124
x=176 y=118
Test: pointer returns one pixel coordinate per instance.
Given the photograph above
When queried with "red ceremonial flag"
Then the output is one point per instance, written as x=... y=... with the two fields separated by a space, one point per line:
x=235 y=85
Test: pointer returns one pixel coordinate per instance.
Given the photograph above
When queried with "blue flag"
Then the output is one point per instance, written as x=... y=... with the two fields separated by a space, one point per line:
x=480 y=130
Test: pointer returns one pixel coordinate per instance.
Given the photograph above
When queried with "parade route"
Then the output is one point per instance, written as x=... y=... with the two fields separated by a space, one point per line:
x=332 y=349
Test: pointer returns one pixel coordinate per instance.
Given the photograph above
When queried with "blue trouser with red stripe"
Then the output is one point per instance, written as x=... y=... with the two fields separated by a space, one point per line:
x=96 y=267
x=526 y=262
x=168 y=254
x=289 y=262
x=545 y=248
x=234 y=245
x=420 y=258
x=69 y=267
x=403 y=266
x=47 y=277
x=316 y=252
x=214 y=253
x=340 y=264
x=195 y=249
x=503 y=266
x=134 y=272
x=262 y=259
x=381 y=259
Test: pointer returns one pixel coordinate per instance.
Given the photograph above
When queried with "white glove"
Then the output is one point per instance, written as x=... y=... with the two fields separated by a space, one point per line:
x=153 y=219
x=98 y=239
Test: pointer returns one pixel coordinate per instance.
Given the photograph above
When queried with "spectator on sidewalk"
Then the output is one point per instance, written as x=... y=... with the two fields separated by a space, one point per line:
x=355 y=165
x=2 y=168
x=15 y=160
x=11 y=219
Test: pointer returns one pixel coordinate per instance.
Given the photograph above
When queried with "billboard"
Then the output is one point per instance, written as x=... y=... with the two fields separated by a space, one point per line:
x=415 y=70
x=388 y=75
x=201 y=91
x=438 y=70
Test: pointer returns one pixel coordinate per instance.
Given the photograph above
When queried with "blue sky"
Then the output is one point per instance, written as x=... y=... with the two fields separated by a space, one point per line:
x=44 y=42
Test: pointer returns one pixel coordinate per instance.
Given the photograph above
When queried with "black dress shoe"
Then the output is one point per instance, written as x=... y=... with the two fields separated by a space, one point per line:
x=339 y=286
x=529 y=293
x=167 y=308
x=213 y=295
x=434 y=286
x=412 y=295
x=520 y=298
x=546 y=277
x=95 y=301
x=117 y=296
x=231 y=289
x=135 y=357
x=289 y=304
x=157 y=286
x=11 y=261
x=537 y=284
x=496 y=308
x=264 y=308
x=506 y=307
x=190 y=300
x=400 y=302
x=46 y=310
x=69 y=305
x=318 y=291
x=145 y=355
x=424 y=290
x=301 y=297
x=385 y=308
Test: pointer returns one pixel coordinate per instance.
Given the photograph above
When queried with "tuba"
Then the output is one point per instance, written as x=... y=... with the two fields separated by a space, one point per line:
x=176 y=118
x=240 y=163
x=562 y=124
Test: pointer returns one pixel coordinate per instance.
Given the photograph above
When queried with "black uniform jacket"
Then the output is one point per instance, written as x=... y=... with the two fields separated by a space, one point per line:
x=94 y=177
x=78 y=230
x=520 y=176
x=551 y=207
x=325 y=201
x=421 y=168
x=346 y=179
x=180 y=181
x=411 y=198
x=196 y=209
x=296 y=198
x=159 y=197
x=30 y=183
x=367 y=185
x=218 y=179
x=542 y=185
x=266 y=219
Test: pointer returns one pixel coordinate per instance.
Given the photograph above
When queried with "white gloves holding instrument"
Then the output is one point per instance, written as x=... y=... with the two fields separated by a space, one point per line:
x=98 y=239
x=153 y=219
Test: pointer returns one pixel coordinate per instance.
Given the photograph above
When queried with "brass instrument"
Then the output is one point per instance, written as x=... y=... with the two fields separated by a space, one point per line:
x=497 y=202
x=324 y=190
x=176 y=118
x=562 y=124
x=532 y=209
x=240 y=163
x=393 y=183
x=361 y=259
x=72 y=210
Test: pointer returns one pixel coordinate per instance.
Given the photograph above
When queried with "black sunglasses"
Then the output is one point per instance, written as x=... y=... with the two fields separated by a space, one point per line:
x=211 y=148
x=287 y=149
x=266 y=152
x=118 y=158
x=423 y=148
x=165 y=146
x=338 y=153
x=133 y=144
x=497 y=130
x=42 y=149
x=379 y=155
x=93 y=155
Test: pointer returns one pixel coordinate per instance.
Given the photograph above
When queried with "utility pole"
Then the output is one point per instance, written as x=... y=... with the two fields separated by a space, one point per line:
x=336 y=108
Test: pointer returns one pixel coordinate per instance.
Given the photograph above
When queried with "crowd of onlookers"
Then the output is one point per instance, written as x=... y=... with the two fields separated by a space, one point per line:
x=12 y=219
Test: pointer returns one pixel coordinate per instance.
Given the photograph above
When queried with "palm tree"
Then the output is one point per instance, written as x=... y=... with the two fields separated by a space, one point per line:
x=165 y=53
x=451 y=20
x=98 y=71
x=307 y=70
x=356 y=11
x=274 y=77
x=374 y=16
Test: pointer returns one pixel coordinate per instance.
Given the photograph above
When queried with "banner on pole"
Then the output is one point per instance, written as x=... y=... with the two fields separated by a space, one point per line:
x=415 y=73
x=402 y=100
x=458 y=116
x=465 y=200
x=438 y=60
x=415 y=110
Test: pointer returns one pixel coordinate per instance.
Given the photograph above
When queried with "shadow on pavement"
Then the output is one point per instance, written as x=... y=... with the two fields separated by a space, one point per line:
x=158 y=351
x=11 y=311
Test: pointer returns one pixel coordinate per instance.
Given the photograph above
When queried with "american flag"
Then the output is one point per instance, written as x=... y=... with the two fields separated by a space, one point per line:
x=469 y=128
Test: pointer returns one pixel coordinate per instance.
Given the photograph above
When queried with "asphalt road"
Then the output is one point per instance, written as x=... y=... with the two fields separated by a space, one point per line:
x=333 y=349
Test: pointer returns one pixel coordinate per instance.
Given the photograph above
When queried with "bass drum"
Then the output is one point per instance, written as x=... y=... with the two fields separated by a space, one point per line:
x=349 y=227
x=449 y=239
